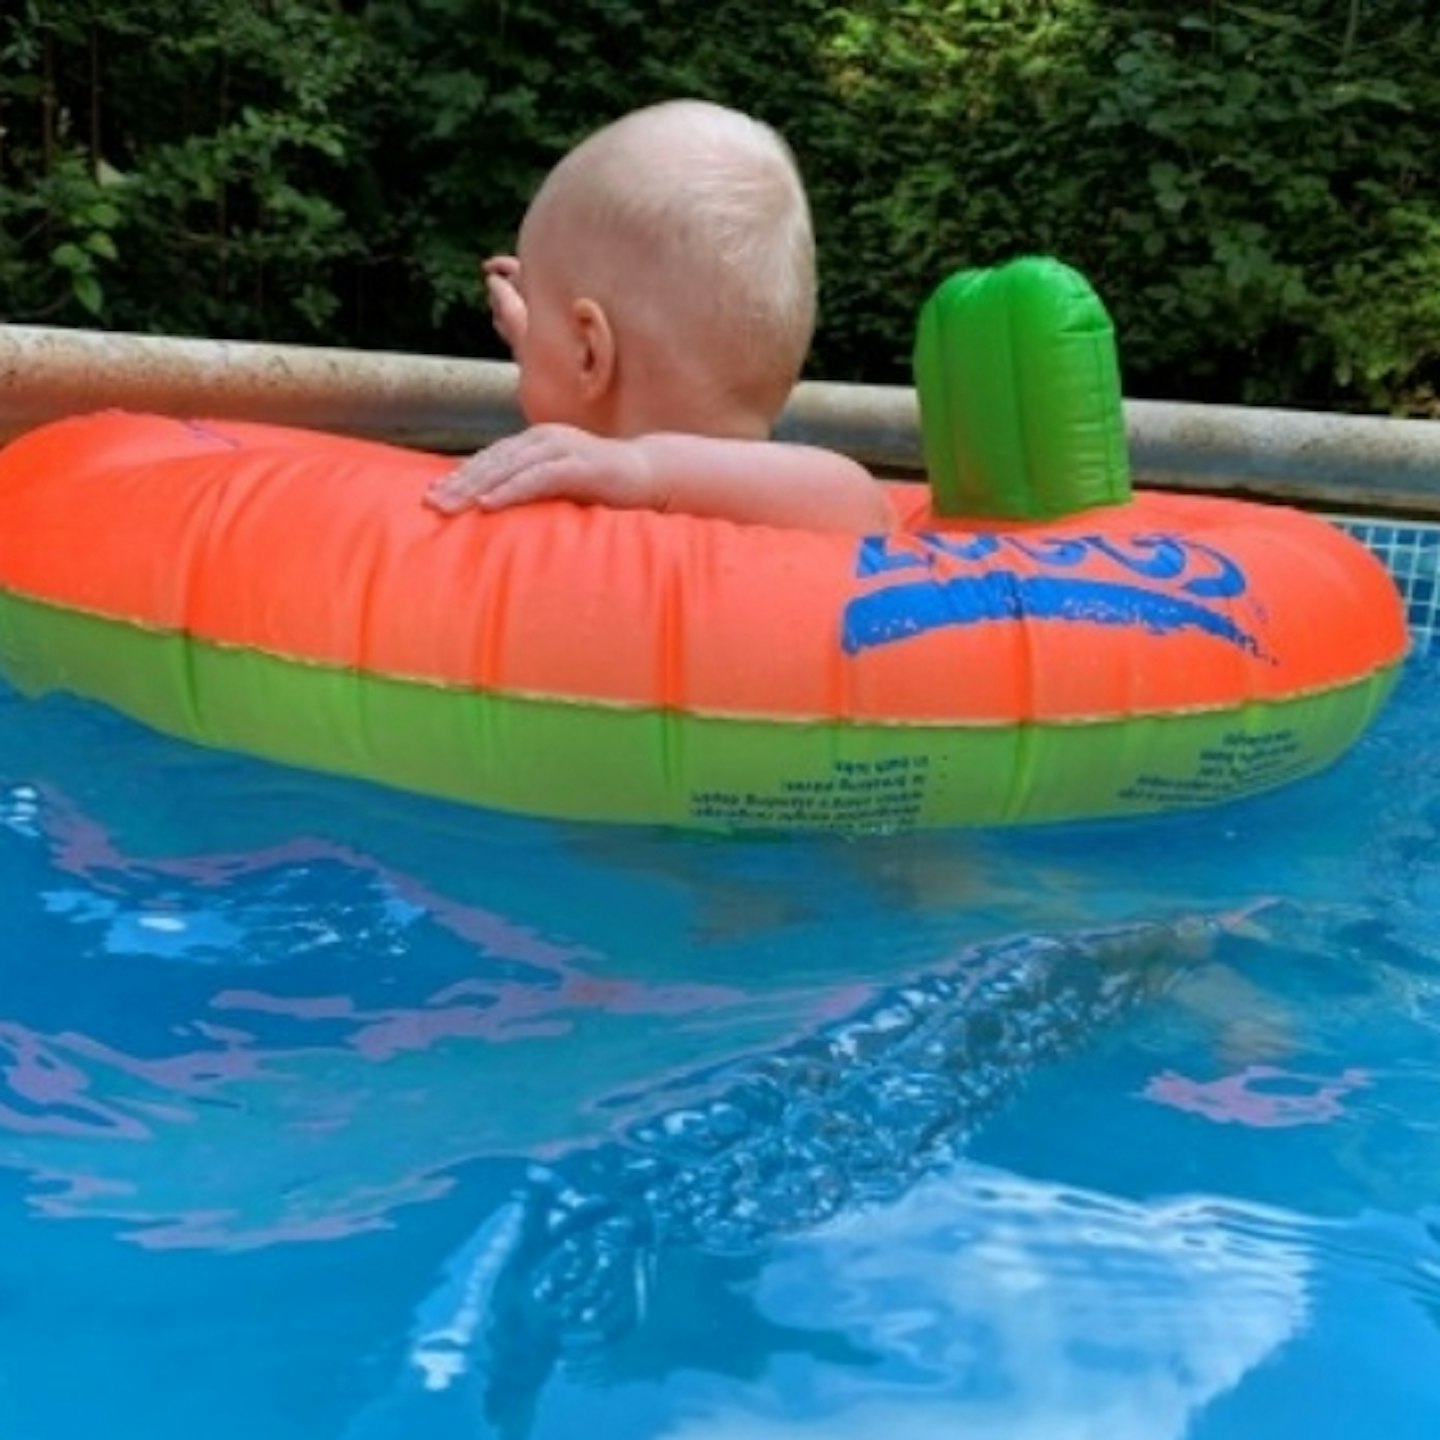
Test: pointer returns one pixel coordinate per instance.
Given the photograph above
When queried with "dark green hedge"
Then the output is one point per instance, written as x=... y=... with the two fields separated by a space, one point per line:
x=1254 y=189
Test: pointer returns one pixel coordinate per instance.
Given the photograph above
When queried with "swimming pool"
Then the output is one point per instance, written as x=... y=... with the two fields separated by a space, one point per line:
x=330 y=1112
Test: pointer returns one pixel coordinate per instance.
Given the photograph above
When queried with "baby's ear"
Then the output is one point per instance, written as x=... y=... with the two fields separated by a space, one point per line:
x=595 y=342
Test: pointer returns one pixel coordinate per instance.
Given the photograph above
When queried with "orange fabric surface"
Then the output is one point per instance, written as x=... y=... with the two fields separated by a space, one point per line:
x=315 y=547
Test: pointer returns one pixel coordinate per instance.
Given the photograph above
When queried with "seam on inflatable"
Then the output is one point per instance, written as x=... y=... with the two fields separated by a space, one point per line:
x=194 y=642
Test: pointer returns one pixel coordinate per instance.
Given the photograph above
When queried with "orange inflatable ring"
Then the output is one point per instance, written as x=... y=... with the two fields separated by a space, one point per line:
x=288 y=594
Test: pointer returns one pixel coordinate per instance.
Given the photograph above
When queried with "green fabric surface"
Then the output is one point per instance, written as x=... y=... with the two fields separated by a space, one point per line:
x=1019 y=387
x=568 y=758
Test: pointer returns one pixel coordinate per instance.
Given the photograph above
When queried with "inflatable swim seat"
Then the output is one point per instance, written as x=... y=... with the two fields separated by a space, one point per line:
x=288 y=594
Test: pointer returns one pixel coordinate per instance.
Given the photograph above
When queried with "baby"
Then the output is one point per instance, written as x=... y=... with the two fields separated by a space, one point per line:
x=660 y=308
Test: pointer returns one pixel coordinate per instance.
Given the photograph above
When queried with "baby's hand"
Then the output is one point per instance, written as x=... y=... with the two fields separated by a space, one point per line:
x=550 y=462
x=507 y=305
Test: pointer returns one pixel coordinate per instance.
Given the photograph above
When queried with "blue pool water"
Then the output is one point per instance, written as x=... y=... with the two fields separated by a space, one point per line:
x=326 y=1112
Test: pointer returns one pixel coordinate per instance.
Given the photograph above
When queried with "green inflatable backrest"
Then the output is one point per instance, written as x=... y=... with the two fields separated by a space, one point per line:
x=1020 y=407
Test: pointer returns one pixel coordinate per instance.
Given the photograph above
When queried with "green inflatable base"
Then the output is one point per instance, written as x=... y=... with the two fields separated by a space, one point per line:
x=580 y=760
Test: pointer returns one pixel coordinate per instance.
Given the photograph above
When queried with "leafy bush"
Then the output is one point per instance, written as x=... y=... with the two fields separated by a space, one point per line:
x=1256 y=194
x=1255 y=191
x=180 y=169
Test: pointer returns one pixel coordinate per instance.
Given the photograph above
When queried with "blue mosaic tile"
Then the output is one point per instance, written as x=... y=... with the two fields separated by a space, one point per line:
x=1411 y=553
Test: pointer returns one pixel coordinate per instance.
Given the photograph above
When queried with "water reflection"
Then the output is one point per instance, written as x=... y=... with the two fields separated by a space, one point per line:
x=175 y=1007
x=1009 y=1308
x=434 y=988
x=688 y=1204
x=659 y=1113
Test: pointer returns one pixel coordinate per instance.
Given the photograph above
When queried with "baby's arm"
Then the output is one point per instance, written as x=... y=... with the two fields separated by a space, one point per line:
x=507 y=305
x=754 y=482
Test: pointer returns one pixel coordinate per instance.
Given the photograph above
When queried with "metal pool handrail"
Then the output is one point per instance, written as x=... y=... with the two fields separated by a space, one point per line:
x=1366 y=463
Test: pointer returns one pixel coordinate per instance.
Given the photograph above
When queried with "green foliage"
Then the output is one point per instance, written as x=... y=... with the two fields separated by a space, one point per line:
x=180 y=166
x=1286 y=216
x=1254 y=192
x=1254 y=189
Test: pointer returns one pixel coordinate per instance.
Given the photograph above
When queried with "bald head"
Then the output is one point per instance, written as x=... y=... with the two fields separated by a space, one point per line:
x=688 y=223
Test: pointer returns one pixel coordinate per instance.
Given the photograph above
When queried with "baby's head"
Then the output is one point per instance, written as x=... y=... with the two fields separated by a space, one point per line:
x=686 y=225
